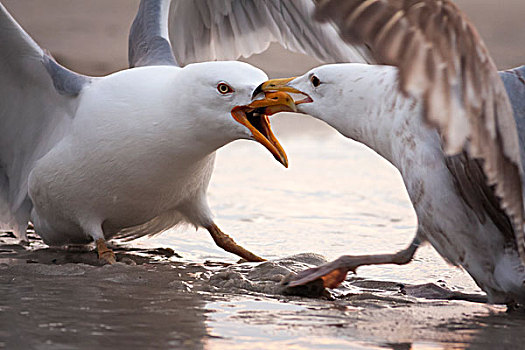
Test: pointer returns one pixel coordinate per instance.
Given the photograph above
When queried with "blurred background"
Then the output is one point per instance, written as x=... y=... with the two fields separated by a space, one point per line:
x=91 y=36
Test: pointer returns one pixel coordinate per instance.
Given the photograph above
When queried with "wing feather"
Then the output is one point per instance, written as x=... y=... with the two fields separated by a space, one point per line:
x=39 y=98
x=204 y=30
x=443 y=61
x=514 y=80
x=149 y=43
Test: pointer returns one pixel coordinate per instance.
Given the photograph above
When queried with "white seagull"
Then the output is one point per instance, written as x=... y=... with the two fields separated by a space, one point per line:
x=131 y=154
x=444 y=120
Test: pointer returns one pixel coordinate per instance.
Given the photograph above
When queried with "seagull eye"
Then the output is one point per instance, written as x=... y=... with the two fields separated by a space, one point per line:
x=224 y=88
x=315 y=81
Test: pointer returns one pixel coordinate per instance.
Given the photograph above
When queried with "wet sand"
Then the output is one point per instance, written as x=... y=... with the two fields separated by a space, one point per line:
x=178 y=290
x=59 y=299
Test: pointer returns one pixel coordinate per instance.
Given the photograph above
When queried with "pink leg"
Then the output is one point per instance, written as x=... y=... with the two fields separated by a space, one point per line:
x=227 y=243
x=104 y=253
x=333 y=273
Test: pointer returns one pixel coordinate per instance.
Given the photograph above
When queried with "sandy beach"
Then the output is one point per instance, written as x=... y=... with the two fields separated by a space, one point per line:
x=179 y=291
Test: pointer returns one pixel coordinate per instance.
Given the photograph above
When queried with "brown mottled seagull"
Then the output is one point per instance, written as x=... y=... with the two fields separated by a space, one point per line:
x=443 y=118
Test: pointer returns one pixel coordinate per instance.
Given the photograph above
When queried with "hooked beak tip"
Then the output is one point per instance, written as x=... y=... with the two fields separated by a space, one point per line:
x=283 y=160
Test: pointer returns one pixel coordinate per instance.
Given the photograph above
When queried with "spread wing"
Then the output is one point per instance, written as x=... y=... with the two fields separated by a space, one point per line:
x=149 y=43
x=204 y=30
x=38 y=101
x=443 y=61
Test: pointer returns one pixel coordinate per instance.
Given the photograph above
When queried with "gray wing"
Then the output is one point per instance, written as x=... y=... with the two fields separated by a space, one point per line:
x=149 y=43
x=38 y=100
x=514 y=81
x=443 y=61
x=205 y=30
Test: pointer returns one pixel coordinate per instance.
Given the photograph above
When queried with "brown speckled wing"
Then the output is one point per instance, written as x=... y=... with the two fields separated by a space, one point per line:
x=472 y=185
x=443 y=61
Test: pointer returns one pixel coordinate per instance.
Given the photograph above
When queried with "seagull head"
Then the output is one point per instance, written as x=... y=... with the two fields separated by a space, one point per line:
x=224 y=91
x=326 y=92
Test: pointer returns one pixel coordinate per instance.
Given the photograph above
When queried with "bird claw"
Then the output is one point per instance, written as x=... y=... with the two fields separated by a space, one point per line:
x=331 y=276
x=104 y=253
x=108 y=257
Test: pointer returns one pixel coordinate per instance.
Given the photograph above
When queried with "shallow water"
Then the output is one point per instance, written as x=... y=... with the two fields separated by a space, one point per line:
x=336 y=198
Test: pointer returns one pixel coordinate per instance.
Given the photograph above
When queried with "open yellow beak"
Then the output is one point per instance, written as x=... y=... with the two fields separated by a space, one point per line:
x=281 y=85
x=255 y=117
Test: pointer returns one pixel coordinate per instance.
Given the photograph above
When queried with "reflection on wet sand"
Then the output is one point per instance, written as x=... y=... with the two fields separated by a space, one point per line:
x=48 y=305
x=156 y=301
